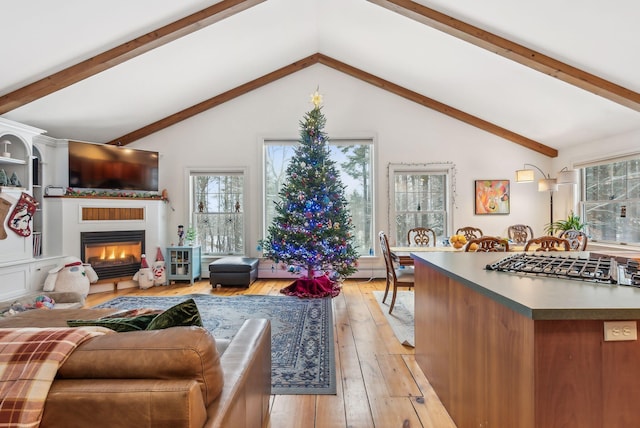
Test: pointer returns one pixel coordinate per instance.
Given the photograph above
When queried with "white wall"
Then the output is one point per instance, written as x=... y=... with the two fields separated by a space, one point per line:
x=405 y=132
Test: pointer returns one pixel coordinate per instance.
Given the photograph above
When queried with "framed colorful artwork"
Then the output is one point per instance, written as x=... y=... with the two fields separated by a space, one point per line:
x=492 y=197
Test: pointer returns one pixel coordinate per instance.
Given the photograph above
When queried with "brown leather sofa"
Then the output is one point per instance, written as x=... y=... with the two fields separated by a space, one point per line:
x=177 y=377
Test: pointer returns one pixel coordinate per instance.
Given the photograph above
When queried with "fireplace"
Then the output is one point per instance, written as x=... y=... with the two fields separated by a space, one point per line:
x=113 y=254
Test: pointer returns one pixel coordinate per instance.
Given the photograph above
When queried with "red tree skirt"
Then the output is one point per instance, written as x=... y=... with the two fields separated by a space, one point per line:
x=321 y=286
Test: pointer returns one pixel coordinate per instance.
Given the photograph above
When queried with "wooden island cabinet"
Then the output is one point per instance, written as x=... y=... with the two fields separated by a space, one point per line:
x=508 y=350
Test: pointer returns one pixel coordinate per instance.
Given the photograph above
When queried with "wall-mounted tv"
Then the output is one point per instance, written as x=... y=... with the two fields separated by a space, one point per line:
x=104 y=166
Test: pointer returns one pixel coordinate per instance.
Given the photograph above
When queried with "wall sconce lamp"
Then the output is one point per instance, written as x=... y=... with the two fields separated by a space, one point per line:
x=546 y=183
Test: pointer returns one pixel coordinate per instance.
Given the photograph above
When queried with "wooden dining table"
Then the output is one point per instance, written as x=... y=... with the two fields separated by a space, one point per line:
x=403 y=254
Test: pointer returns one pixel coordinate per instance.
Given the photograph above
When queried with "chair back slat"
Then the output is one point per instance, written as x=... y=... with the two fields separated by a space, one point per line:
x=392 y=277
x=577 y=239
x=421 y=237
x=469 y=232
x=488 y=244
x=547 y=243
x=386 y=253
x=520 y=233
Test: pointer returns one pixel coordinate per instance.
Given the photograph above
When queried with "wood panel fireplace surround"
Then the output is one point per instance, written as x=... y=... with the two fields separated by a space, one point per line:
x=111 y=234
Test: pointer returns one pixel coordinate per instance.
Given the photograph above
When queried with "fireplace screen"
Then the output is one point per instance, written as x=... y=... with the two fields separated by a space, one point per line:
x=113 y=254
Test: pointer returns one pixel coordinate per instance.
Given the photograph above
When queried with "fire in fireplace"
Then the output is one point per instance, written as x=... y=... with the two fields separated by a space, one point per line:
x=113 y=254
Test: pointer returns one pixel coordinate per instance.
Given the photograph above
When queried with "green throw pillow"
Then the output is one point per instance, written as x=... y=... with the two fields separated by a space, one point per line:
x=182 y=314
x=117 y=324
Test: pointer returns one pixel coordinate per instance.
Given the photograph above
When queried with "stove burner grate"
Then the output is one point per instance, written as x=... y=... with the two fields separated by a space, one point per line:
x=604 y=270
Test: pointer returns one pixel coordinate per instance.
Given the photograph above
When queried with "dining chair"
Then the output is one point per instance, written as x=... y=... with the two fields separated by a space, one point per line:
x=396 y=277
x=469 y=232
x=520 y=233
x=421 y=237
x=577 y=239
x=547 y=243
x=487 y=244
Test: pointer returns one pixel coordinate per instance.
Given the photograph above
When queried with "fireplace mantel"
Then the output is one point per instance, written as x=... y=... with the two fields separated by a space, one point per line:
x=118 y=198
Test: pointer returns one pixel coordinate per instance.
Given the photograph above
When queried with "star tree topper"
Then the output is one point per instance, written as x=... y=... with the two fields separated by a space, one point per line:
x=316 y=98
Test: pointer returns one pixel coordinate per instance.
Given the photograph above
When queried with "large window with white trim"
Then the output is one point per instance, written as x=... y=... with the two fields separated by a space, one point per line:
x=420 y=195
x=611 y=200
x=217 y=210
x=354 y=162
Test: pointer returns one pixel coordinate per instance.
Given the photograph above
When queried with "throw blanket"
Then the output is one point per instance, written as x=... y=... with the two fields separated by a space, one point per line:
x=29 y=361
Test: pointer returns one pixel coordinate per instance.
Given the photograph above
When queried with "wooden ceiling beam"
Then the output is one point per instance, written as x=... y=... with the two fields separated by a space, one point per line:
x=122 y=53
x=514 y=52
x=351 y=71
x=438 y=106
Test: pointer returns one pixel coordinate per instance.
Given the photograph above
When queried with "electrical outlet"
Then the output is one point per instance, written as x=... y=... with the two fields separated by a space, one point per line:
x=620 y=330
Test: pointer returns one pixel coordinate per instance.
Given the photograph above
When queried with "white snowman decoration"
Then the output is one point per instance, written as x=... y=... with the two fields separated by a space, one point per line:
x=72 y=275
x=145 y=275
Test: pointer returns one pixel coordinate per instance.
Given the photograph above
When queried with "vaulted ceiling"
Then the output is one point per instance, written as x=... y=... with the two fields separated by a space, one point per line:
x=544 y=74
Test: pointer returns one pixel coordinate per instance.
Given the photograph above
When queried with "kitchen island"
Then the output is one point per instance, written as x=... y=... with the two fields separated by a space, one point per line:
x=510 y=350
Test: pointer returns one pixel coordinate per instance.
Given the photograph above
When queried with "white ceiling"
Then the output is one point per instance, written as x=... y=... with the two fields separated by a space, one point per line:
x=46 y=36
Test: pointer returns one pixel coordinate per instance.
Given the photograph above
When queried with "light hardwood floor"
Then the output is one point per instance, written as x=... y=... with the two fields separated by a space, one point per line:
x=378 y=381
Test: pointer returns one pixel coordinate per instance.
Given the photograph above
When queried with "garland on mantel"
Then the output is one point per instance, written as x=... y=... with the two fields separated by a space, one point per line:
x=112 y=194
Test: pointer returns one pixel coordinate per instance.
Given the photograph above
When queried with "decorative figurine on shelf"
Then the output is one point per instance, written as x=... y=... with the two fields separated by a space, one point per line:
x=180 y=235
x=6 y=153
x=201 y=207
x=237 y=206
x=4 y=181
x=14 y=181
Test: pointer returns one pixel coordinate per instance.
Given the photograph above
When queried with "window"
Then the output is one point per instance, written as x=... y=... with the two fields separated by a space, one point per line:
x=217 y=211
x=354 y=162
x=611 y=201
x=420 y=195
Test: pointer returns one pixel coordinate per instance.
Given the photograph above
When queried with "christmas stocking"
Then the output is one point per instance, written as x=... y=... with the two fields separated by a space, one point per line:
x=4 y=210
x=21 y=216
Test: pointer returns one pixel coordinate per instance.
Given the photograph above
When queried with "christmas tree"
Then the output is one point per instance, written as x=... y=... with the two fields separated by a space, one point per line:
x=312 y=232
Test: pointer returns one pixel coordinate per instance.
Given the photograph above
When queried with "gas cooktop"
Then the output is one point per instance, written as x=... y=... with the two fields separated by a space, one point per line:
x=595 y=269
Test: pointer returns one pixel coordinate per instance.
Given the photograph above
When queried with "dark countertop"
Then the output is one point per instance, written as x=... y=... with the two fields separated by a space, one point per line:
x=536 y=297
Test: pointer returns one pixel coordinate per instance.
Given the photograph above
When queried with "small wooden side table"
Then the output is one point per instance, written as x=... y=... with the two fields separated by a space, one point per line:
x=185 y=263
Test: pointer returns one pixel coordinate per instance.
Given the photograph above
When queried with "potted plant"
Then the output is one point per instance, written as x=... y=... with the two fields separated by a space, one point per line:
x=572 y=222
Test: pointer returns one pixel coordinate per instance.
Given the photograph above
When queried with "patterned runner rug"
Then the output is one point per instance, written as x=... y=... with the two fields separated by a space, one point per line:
x=401 y=319
x=302 y=349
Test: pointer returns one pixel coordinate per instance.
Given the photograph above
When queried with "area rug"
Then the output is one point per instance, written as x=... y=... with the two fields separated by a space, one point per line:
x=302 y=349
x=402 y=317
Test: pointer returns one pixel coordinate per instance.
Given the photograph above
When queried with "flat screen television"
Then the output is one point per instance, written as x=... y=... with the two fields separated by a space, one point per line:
x=104 y=166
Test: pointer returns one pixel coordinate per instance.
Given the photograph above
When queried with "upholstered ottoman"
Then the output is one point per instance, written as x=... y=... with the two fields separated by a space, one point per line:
x=233 y=271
